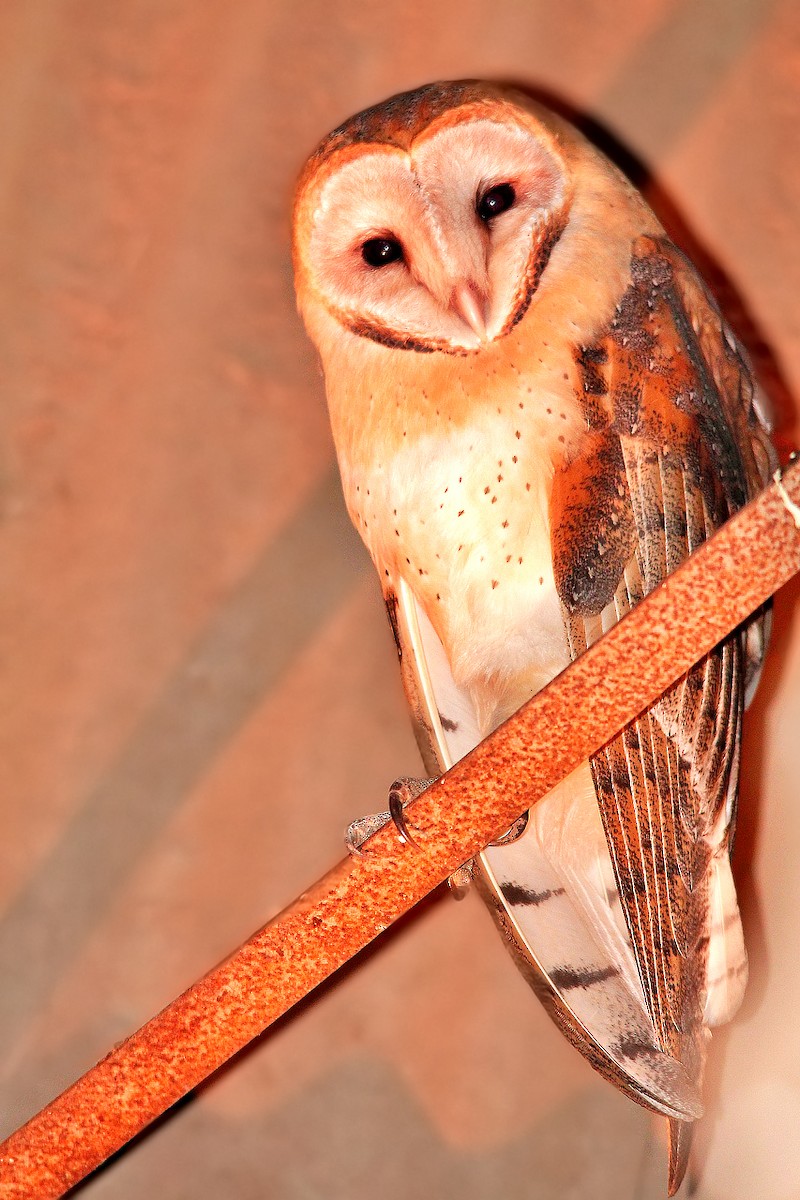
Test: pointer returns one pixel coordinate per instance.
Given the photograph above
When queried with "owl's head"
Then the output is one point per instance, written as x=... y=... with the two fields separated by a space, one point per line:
x=425 y=223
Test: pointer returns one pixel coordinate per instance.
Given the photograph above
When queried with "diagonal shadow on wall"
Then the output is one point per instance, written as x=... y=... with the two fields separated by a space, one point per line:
x=300 y=579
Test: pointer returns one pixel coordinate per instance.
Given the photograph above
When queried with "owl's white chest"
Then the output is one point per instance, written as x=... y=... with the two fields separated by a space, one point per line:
x=462 y=515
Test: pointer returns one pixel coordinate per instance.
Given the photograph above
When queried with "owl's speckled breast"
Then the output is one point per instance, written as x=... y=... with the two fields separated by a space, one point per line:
x=461 y=513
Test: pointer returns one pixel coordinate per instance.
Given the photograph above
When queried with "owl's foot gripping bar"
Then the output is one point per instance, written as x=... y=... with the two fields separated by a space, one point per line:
x=724 y=581
x=401 y=793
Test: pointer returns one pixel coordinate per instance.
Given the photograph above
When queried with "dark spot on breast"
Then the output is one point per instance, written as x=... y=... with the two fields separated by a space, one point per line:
x=447 y=725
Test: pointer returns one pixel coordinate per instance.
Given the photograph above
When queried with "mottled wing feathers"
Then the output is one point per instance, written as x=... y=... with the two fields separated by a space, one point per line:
x=669 y=405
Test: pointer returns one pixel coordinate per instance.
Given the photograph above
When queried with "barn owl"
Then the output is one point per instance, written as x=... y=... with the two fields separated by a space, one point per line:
x=538 y=413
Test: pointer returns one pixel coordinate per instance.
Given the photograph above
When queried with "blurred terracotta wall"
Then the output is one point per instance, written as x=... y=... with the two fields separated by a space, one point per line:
x=199 y=688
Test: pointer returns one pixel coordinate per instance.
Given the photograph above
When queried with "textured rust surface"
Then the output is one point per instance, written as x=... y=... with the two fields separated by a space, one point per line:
x=727 y=578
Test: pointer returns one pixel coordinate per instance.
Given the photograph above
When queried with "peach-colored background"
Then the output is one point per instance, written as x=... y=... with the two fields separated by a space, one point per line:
x=199 y=686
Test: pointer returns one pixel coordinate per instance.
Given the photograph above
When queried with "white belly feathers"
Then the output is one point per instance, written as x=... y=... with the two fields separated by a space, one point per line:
x=469 y=533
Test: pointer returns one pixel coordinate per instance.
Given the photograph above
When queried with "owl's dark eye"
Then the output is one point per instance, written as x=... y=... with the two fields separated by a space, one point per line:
x=497 y=200
x=380 y=251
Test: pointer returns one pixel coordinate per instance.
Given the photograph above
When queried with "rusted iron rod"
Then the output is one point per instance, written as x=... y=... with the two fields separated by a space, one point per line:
x=721 y=584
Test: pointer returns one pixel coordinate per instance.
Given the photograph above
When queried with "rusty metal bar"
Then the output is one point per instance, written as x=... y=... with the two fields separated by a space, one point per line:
x=756 y=552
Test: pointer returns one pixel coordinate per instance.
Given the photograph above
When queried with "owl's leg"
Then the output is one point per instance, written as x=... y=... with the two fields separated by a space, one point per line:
x=401 y=792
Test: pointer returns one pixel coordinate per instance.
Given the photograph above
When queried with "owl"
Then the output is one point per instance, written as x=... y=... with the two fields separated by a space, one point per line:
x=538 y=413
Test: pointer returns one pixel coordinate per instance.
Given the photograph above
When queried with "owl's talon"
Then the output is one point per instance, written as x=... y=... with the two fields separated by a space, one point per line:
x=399 y=818
x=401 y=793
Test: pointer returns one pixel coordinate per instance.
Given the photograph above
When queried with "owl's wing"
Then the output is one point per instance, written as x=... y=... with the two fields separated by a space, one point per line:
x=550 y=890
x=676 y=444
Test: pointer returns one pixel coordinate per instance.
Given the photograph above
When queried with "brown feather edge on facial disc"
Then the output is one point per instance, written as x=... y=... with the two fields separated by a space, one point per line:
x=396 y=123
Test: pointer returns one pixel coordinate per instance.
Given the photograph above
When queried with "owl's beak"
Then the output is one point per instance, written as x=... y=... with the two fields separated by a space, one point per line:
x=468 y=303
